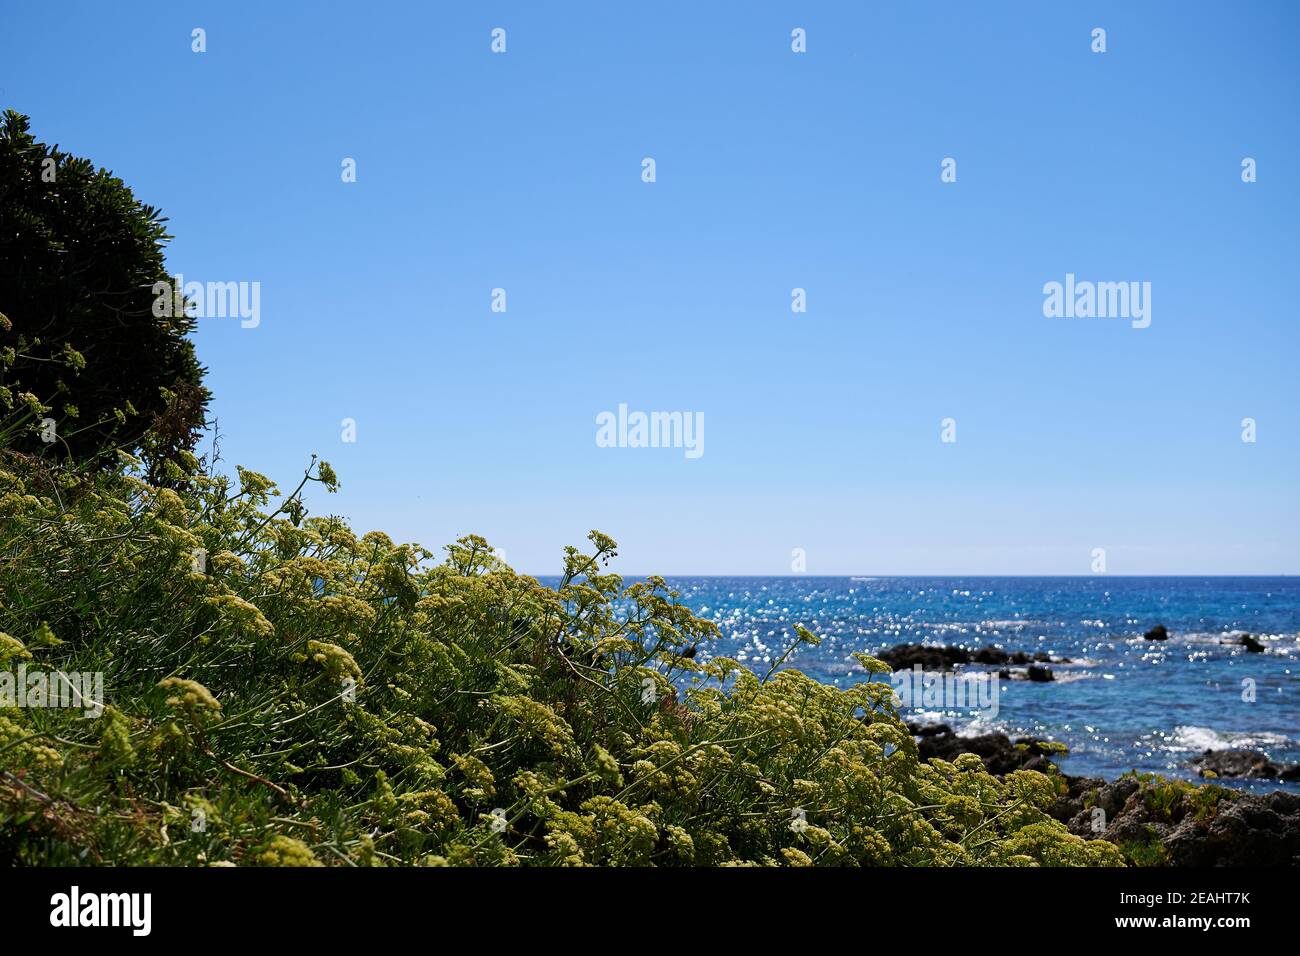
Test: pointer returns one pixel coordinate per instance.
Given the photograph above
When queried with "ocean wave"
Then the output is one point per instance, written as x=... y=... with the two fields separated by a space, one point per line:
x=1224 y=637
x=1281 y=645
x=1196 y=739
x=1227 y=638
x=979 y=726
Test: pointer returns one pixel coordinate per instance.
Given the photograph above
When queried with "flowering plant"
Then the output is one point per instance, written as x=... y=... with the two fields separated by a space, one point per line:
x=319 y=697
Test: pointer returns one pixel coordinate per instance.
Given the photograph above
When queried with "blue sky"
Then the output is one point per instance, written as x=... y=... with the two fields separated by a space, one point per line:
x=775 y=170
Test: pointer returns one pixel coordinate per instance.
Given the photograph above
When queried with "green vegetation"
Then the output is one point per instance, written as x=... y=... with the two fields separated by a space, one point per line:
x=282 y=691
x=1171 y=800
x=1148 y=852
x=79 y=342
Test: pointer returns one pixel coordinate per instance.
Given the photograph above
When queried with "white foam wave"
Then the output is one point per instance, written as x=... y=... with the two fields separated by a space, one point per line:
x=1192 y=738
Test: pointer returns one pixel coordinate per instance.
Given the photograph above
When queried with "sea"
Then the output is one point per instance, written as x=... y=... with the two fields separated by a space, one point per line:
x=1121 y=703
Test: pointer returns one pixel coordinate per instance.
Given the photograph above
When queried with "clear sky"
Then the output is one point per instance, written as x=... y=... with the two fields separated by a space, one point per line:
x=774 y=170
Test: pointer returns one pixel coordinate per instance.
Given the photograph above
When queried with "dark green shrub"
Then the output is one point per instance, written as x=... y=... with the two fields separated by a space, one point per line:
x=79 y=341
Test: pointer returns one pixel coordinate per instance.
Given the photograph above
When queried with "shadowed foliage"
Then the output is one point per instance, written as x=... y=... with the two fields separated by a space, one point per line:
x=79 y=258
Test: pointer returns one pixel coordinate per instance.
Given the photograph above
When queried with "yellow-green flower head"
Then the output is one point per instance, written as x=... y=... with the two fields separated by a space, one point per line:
x=243 y=614
x=192 y=696
x=287 y=851
x=337 y=662
x=12 y=649
x=607 y=766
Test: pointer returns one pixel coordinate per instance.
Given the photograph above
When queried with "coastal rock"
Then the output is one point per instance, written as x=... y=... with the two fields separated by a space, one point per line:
x=1244 y=764
x=1168 y=823
x=1251 y=645
x=1086 y=793
x=1039 y=657
x=1249 y=831
x=998 y=752
x=904 y=656
x=1033 y=672
x=990 y=655
x=932 y=658
x=1153 y=825
x=1232 y=830
x=1157 y=633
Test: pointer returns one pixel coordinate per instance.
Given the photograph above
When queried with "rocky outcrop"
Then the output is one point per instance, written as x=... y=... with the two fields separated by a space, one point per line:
x=1178 y=824
x=1251 y=645
x=1088 y=793
x=999 y=753
x=1252 y=830
x=1031 y=673
x=1157 y=633
x=1244 y=764
x=905 y=656
x=1153 y=821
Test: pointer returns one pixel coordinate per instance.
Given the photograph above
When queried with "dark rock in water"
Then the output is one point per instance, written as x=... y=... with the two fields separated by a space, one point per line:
x=943 y=658
x=998 y=752
x=990 y=655
x=930 y=730
x=1157 y=633
x=1251 y=645
x=1235 y=763
x=1244 y=764
x=904 y=656
x=1034 y=672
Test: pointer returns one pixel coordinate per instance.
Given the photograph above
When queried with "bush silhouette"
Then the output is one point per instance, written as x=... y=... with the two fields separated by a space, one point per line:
x=81 y=346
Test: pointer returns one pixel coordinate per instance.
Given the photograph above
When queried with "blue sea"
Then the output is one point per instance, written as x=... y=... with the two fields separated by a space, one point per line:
x=1123 y=703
